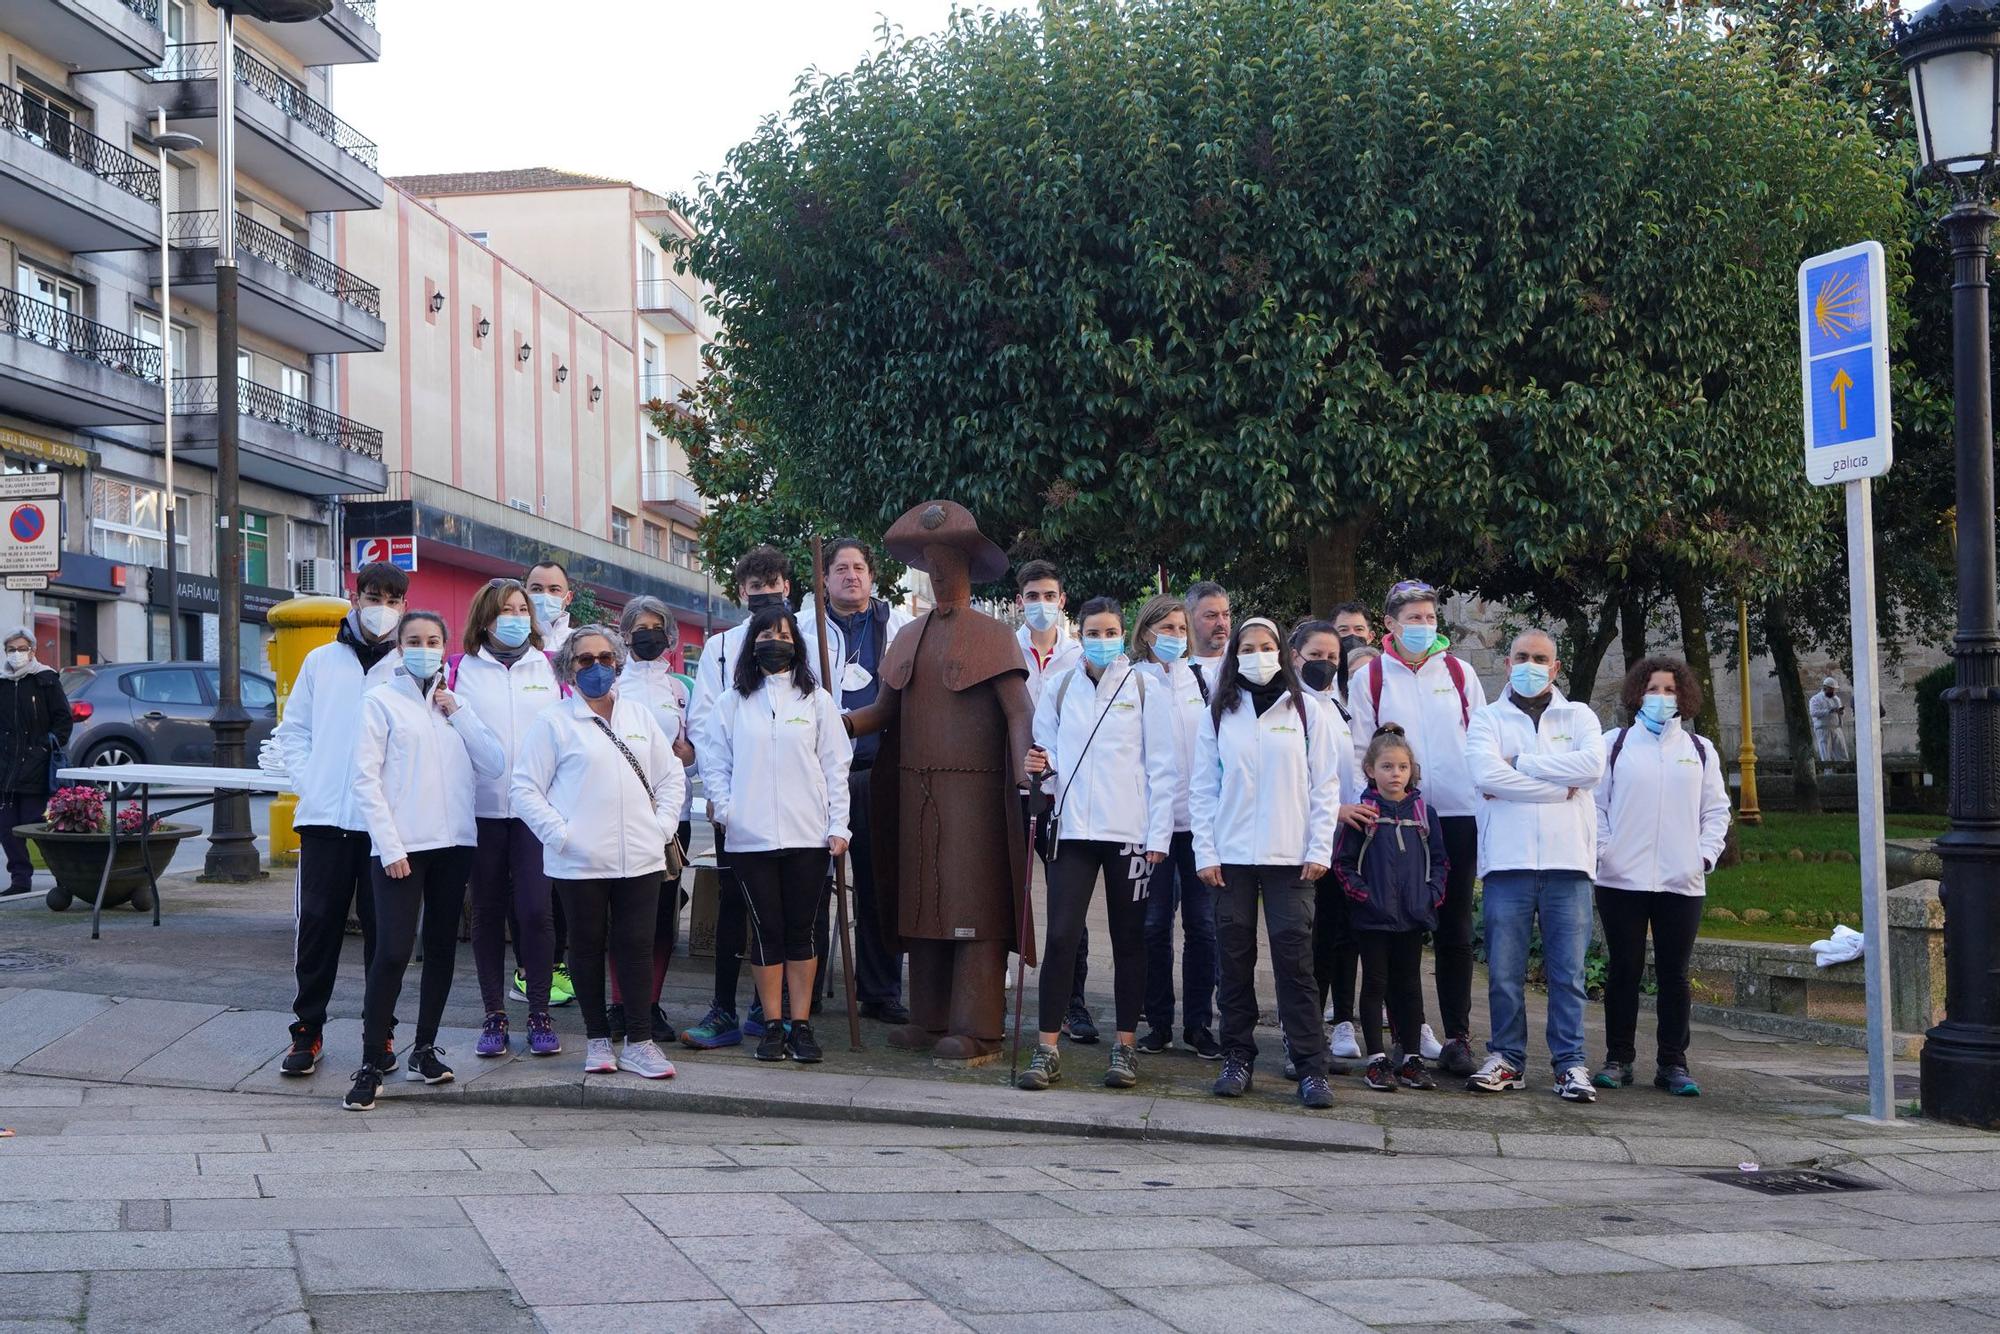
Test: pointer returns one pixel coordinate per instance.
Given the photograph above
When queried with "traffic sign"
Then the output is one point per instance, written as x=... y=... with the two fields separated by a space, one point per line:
x=400 y=552
x=1844 y=364
x=27 y=583
x=31 y=484
x=30 y=536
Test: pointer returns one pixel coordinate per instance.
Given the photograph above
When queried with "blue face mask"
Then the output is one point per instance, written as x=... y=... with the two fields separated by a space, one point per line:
x=1416 y=639
x=423 y=663
x=547 y=606
x=596 y=680
x=1168 y=649
x=512 y=631
x=1659 y=710
x=1101 y=653
x=1041 y=615
x=1528 y=679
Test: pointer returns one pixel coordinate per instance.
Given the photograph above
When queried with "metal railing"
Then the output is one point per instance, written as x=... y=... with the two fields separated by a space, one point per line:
x=666 y=294
x=86 y=340
x=198 y=395
x=148 y=10
x=197 y=60
x=100 y=157
x=662 y=385
x=199 y=230
x=663 y=486
x=363 y=10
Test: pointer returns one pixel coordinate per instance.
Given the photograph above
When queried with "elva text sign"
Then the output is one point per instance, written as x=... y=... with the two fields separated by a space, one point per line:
x=1844 y=364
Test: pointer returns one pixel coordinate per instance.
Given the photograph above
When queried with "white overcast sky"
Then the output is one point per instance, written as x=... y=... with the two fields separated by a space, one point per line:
x=652 y=91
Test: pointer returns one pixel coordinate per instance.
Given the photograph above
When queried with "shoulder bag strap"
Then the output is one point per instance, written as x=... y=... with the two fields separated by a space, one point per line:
x=1102 y=715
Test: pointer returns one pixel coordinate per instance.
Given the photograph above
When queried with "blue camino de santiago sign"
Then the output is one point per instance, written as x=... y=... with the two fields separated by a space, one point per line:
x=1844 y=360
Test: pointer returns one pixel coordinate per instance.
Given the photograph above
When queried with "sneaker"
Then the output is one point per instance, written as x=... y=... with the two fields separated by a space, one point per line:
x=493 y=1035
x=1428 y=1045
x=771 y=1047
x=1574 y=1085
x=303 y=1058
x=13 y=890
x=1155 y=1040
x=1344 y=1043
x=646 y=1060
x=1124 y=1069
x=1315 y=1092
x=1674 y=1079
x=1044 y=1070
x=893 y=1013
x=1380 y=1074
x=562 y=991
x=663 y=1031
x=1456 y=1058
x=598 y=1058
x=542 y=1038
x=426 y=1068
x=614 y=1019
x=1234 y=1081
x=1203 y=1043
x=367 y=1083
x=519 y=990
x=718 y=1028
x=1079 y=1026
x=800 y=1043
x=1613 y=1075
x=387 y=1062
x=1412 y=1075
x=1496 y=1076
x=753 y=1023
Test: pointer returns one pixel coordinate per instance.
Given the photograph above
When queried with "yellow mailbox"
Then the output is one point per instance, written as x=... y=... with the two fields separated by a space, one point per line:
x=300 y=625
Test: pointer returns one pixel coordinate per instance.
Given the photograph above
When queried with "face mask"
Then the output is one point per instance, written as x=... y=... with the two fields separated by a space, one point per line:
x=1317 y=674
x=423 y=663
x=1416 y=639
x=1169 y=648
x=774 y=655
x=1041 y=615
x=547 y=606
x=648 y=644
x=1660 y=708
x=1528 y=679
x=512 y=631
x=1101 y=653
x=17 y=660
x=377 y=620
x=596 y=680
x=759 y=601
x=1257 y=668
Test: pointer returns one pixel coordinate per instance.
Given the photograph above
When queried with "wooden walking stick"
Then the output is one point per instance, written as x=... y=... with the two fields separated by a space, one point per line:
x=840 y=862
x=1027 y=934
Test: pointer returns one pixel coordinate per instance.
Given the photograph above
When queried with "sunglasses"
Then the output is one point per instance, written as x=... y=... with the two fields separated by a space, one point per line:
x=583 y=660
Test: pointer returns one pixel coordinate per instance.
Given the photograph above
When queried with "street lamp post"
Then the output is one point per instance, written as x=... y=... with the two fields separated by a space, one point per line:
x=1747 y=809
x=1951 y=51
x=169 y=141
x=232 y=846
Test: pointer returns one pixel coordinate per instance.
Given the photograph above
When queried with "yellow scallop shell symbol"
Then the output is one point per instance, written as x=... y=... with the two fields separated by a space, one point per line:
x=1840 y=306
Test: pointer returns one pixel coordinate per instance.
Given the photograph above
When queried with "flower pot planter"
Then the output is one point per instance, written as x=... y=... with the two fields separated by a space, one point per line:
x=77 y=862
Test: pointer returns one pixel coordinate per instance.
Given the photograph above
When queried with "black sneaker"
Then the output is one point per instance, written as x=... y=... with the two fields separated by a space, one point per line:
x=367 y=1083
x=1315 y=1092
x=1676 y=1080
x=425 y=1067
x=387 y=1061
x=662 y=1030
x=1380 y=1075
x=1203 y=1044
x=1412 y=1075
x=303 y=1058
x=1044 y=1070
x=1455 y=1058
x=771 y=1047
x=1080 y=1026
x=1613 y=1075
x=1155 y=1040
x=800 y=1043
x=1234 y=1081
x=1124 y=1070
x=614 y=1019
x=885 y=1012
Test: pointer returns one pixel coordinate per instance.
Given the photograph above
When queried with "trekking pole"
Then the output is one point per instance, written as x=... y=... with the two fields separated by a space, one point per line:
x=1027 y=934
x=840 y=862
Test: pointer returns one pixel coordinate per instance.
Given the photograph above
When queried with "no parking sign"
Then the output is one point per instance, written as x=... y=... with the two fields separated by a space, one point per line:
x=31 y=540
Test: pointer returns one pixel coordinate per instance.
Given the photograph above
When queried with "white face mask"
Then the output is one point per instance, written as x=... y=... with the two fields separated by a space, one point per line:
x=378 y=620
x=17 y=659
x=1257 y=668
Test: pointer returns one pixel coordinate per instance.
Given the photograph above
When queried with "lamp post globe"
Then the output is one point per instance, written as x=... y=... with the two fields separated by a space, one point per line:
x=1951 y=51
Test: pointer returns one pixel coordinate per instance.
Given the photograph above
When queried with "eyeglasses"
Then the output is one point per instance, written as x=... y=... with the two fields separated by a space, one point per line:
x=583 y=660
x=503 y=583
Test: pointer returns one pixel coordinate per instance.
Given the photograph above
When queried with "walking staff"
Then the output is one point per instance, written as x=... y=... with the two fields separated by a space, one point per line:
x=839 y=863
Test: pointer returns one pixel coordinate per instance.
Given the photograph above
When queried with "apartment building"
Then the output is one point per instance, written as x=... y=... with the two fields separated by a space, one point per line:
x=82 y=390
x=512 y=424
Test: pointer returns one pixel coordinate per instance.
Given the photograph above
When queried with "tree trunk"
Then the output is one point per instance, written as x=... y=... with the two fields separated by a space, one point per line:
x=1632 y=625
x=1792 y=690
x=1694 y=647
x=1588 y=646
x=1332 y=564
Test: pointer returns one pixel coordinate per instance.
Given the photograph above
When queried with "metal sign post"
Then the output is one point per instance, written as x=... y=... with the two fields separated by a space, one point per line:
x=1844 y=370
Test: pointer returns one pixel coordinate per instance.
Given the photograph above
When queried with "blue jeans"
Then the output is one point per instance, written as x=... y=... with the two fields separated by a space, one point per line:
x=1175 y=884
x=1513 y=901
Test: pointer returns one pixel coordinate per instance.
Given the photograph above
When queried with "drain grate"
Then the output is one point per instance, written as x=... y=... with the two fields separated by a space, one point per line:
x=25 y=960
x=1907 y=1086
x=1792 y=1181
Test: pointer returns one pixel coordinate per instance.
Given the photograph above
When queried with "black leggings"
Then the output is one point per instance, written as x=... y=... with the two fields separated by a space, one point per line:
x=617 y=914
x=785 y=894
x=1071 y=878
x=1451 y=943
x=435 y=886
x=1392 y=972
x=1675 y=919
x=1335 y=951
x=666 y=926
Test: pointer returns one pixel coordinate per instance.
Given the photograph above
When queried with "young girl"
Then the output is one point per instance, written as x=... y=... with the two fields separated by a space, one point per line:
x=1393 y=873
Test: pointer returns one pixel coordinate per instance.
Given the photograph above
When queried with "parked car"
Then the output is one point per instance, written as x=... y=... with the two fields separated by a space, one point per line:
x=158 y=712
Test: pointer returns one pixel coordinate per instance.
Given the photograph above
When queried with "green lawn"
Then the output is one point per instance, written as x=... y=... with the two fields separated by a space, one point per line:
x=1810 y=890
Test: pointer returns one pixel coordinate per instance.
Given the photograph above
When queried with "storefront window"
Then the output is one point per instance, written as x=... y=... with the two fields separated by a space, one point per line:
x=257 y=549
x=65 y=631
x=128 y=523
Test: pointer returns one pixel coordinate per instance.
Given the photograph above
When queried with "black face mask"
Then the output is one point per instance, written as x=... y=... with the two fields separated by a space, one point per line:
x=759 y=601
x=1317 y=673
x=774 y=655
x=648 y=644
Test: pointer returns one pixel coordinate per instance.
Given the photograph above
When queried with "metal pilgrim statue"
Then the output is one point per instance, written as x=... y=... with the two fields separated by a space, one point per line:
x=955 y=717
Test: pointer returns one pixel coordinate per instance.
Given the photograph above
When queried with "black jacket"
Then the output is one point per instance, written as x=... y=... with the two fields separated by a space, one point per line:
x=1394 y=871
x=31 y=708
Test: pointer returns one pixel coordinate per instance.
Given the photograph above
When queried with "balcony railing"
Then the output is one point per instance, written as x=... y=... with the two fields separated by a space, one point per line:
x=666 y=487
x=86 y=340
x=100 y=157
x=200 y=231
x=363 y=10
x=198 y=395
x=198 y=60
x=662 y=385
x=148 y=10
x=666 y=294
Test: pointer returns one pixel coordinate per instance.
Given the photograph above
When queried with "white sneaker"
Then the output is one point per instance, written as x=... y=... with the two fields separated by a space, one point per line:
x=598 y=1058
x=1574 y=1085
x=646 y=1060
x=1496 y=1076
x=1428 y=1041
x=1329 y=1014
x=1343 y=1043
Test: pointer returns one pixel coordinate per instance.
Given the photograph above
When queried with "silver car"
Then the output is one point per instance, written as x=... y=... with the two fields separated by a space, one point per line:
x=158 y=712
